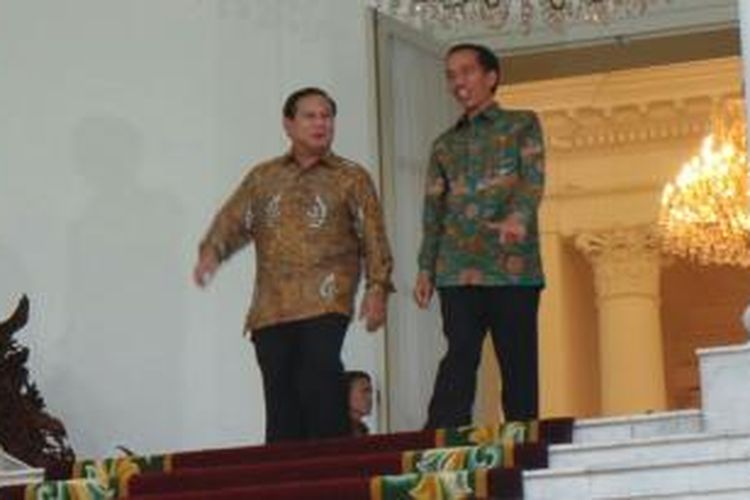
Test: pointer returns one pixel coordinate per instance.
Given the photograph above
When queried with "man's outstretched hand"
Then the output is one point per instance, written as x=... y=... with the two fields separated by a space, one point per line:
x=205 y=268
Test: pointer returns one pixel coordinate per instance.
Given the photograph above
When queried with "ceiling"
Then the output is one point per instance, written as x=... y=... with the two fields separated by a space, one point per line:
x=671 y=31
x=605 y=57
x=663 y=18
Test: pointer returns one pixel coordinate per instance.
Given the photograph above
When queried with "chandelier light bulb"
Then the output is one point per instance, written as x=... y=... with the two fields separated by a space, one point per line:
x=705 y=213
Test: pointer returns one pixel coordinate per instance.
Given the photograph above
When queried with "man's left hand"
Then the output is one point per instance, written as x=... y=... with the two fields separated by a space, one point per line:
x=510 y=230
x=373 y=308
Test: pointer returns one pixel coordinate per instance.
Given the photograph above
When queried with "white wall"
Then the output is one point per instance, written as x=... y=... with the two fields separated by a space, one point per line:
x=123 y=126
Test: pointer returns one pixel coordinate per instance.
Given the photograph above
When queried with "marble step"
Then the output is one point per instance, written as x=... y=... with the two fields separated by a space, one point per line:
x=659 y=449
x=648 y=478
x=724 y=372
x=621 y=428
x=13 y=471
x=699 y=494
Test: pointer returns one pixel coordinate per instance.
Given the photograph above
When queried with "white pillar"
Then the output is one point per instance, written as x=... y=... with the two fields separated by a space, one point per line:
x=631 y=359
x=744 y=13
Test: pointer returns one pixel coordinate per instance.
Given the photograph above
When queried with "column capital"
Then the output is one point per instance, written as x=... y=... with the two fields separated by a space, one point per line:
x=625 y=260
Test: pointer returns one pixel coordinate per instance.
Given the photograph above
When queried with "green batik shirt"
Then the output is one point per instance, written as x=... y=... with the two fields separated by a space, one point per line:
x=482 y=170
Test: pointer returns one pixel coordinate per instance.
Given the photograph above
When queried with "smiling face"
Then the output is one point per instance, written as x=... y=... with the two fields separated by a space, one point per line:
x=312 y=126
x=471 y=84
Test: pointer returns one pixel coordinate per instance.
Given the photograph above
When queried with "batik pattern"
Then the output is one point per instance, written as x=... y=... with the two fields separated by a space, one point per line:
x=312 y=229
x=455 y=459
x=114 y=473
x=450 y=485
x=507 y=432
x=74 y=489
x=482 y=172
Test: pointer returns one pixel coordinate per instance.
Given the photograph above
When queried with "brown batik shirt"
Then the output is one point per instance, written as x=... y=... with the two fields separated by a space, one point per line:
x=312 y=228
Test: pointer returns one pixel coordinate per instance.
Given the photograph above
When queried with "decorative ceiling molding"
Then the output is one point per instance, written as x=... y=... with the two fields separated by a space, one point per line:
x=670 y=18
x=594 y=128
x=629 y=107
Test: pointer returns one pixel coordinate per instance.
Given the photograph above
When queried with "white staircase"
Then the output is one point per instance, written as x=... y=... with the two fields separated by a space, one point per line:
x=693 y=454
x=13 y=471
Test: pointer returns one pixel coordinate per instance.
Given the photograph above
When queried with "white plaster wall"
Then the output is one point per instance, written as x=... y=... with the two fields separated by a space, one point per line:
x=123 y=125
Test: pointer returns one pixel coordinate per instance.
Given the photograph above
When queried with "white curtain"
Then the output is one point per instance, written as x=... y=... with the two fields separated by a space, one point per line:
x=415 y=108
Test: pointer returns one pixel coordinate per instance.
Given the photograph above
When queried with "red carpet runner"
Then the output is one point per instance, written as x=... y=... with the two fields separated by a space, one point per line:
x=466 y=463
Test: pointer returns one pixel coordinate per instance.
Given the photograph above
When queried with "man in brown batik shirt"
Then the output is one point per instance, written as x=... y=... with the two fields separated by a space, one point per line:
x=313 y=217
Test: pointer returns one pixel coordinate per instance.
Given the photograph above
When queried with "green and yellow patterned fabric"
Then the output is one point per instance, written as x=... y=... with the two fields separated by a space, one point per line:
x=458 y=458
x=444 y=473
x=114 y=473
x=74 y=489
x=447 y=485
x=458 y=469
x=510 y=432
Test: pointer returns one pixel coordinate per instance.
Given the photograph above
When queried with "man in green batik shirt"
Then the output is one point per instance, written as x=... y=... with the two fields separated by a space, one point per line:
x=480 y=246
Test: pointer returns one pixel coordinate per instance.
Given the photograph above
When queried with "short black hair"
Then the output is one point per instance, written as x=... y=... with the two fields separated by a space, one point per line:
x=352 y=375
x=290 y=105
x=485 y=56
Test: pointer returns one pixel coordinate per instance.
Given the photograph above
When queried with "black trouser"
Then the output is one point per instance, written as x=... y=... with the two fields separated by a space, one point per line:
x=510 y=314
x=303 y=378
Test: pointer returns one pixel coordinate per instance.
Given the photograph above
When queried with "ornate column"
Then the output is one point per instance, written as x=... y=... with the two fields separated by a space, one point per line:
x=626 y=273
x=744 y=13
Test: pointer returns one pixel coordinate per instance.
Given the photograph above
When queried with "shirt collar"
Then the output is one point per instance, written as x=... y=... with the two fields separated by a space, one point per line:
x=488 y=114
x=328 y=160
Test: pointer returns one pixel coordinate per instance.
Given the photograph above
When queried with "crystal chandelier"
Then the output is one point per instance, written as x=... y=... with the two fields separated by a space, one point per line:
x=496 y=14
x=704 y=213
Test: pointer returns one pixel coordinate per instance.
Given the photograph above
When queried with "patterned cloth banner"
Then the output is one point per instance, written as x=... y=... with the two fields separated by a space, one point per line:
x=113 y=474
x=444 y=473
x=74 y=489
x=449 y=485
x=510 y=432
x=468 y=458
